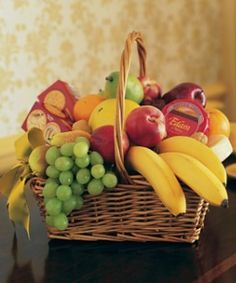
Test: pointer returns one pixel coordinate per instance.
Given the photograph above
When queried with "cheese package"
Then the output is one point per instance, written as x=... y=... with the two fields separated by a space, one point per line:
x=53 y=110
x=185 y=117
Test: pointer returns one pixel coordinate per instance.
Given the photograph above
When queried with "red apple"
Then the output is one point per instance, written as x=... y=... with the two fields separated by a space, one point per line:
x=102 y=141
x=158 y=103
x=152 y=90
x=186 y=90
x=145 y=126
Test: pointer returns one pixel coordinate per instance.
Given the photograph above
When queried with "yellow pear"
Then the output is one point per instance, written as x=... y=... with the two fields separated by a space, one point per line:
x=104 y=113
x=37 y=160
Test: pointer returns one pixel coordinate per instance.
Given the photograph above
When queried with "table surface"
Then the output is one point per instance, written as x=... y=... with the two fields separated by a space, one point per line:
x=211 y=259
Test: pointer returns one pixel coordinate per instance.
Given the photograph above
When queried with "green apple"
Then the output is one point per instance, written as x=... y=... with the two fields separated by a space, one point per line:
x=134 y=88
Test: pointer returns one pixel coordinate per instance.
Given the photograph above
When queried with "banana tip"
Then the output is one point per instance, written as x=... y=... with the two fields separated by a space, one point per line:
x=225 y=203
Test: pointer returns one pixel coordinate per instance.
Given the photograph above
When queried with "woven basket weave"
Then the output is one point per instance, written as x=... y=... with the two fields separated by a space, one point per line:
x=132 y=211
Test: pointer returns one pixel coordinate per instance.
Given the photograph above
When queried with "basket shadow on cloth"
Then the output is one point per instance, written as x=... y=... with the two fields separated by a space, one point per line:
x=132 y=211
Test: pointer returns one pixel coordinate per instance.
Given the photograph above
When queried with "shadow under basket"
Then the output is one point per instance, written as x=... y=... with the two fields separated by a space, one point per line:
x=129 y=213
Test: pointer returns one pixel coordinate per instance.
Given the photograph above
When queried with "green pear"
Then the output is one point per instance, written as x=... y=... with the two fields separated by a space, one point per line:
x=134 y=88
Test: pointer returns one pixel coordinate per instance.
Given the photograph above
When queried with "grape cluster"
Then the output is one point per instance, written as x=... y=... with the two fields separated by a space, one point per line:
x=72 y=169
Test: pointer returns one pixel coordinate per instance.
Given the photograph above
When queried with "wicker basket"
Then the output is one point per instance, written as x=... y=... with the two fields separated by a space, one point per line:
x=132 y=211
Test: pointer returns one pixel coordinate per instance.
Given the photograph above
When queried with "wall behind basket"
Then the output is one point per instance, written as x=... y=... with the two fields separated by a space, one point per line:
x=81 y=41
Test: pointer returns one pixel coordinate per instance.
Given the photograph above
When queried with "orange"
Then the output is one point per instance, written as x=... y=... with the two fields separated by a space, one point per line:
x=218 y=123
x=85 y=105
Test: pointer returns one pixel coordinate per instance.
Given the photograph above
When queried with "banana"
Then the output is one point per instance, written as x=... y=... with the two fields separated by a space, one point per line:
x=196 y=149
x=70 y=136
x=198 y=177
x=160 y=176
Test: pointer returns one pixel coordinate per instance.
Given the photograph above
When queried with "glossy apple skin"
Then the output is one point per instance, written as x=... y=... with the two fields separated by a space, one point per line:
x=158 y=103
x=102 y=141
x=145 y=126
x=186 y=90
x=134 y=89
x=151 y=89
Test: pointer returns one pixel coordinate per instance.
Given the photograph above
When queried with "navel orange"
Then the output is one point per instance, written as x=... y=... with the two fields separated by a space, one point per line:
x=218 y=123
x=85 y=105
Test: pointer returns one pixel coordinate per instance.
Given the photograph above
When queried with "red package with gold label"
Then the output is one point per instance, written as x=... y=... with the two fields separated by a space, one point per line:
x=53 y=112
x=185 y=118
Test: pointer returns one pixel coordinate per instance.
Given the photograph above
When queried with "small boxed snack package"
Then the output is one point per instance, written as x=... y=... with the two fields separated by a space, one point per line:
x=53 y=110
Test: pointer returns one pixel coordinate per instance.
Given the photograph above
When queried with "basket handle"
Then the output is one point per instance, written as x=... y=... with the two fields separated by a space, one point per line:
x=120 y=97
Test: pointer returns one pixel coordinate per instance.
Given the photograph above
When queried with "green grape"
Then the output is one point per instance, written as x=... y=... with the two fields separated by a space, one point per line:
x=77 y=188
x=79 y=202
x=67 y=149
x=81 y=149
x=64 y=163
x=83 y=176
x=53 y=206
x=52 y=171
x=82 y=162
x=95 y=187
x=75 y=169
x=64 y=192
x=49 y=190
x=66 y=177
x=50 y=220
x=97 y=171
x=83 y=139
x=61 y=221
x=52 y=154
x=49 y=180
x=109 y=180
x=69 y=205
x=96 y=158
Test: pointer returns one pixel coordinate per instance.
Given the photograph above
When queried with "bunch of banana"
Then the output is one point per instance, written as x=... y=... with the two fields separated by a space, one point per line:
x=160 y=176
x=198 y=151
x=190 y=161
x=198 y=177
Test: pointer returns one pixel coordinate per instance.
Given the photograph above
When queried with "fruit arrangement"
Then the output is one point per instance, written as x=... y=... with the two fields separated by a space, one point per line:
x=129 y=133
